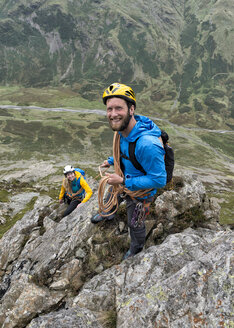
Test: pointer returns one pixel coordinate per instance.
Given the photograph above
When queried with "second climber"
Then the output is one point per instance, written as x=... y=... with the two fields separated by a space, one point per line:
x=75 y=189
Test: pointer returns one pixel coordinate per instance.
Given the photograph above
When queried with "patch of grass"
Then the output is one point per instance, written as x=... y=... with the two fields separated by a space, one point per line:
x=193 y=217
x=175 y=184
x=4 y=90
x=221 y=142
x=107 y=247
x=79 y=102
x=226 y=214
x=107 y=137
x=189 y=152
x=48 y=97
x=227 y=205
x=4 y=196
x=16 y=185
x=108 y=318
x=4 y=112
x=53 y=192
x=37 y=133
x=89 y=171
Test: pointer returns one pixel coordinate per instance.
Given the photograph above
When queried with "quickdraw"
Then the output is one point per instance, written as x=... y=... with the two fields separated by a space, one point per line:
x=140 y=212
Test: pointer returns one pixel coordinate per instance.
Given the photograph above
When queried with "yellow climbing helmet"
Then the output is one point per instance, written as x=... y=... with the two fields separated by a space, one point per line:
x=121 y=91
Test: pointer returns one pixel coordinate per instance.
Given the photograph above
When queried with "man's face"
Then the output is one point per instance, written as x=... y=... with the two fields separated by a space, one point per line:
x=118 y=113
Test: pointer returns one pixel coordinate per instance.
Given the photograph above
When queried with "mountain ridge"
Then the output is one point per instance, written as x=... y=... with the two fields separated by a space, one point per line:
x=169 y=52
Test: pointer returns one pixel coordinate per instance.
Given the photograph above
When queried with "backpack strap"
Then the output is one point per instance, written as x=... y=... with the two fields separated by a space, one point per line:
x=132 y=156
x=168 y=158
x=169 y=161
x=80 y=191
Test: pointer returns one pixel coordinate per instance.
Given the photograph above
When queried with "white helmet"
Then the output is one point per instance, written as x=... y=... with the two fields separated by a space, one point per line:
x=67 y=169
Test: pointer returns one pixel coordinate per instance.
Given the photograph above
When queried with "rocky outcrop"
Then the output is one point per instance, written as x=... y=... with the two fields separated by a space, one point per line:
x=69 y=273
x=180 y=283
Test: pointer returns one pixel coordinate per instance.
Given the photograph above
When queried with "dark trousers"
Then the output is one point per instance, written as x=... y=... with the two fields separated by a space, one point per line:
x=72 y=204
x=137 y=234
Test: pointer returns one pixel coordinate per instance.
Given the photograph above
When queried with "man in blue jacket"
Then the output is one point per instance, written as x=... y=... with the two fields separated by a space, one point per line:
x=149 y=152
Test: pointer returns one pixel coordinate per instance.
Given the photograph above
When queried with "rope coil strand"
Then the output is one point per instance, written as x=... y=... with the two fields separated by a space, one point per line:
x=105 y=207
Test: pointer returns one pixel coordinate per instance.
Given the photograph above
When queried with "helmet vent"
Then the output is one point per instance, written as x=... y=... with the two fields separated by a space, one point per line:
x=115 y=89
x=130 y=93
x=111 y=87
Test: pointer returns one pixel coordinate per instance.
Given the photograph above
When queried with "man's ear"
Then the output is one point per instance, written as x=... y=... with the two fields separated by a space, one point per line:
x=132 y=109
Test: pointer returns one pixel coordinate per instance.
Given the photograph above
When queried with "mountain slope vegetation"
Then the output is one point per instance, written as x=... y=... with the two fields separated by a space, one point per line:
x=177 y=55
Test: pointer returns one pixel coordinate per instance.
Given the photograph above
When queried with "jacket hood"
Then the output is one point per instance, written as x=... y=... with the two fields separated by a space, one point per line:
x=143 y=126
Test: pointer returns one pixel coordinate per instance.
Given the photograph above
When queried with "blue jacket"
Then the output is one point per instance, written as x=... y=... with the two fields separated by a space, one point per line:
x=149 y=153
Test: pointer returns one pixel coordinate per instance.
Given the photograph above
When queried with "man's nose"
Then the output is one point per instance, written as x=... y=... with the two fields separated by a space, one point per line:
x=113 y=113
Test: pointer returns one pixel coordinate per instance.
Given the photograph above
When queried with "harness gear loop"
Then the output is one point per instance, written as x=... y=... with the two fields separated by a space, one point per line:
x=111 y=206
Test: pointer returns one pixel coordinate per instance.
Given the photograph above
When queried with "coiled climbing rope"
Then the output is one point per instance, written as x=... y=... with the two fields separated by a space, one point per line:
x=109 y=207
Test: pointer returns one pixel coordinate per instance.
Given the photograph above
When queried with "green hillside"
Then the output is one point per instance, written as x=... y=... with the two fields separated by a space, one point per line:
x=178 y=57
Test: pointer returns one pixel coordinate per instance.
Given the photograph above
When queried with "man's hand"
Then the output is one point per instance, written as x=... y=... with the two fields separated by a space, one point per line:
x=105 y=164
x=114 y=179
x=61 y=201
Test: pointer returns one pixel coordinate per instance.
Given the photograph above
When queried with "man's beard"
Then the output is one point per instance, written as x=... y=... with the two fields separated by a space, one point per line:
x=124 y=124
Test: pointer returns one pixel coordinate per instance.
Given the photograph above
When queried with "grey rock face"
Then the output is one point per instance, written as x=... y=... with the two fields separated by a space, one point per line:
x=186 y=205
x=18 y=202
x=70 y=318
x=29 y=171
x=68 y=272
x=181 y=283
x=192 y=194
x=185 y=280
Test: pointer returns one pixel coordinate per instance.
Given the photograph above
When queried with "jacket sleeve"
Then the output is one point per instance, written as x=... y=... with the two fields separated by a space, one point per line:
x=111 y=160
x=87 y=189
x=150 y=154
x=62 y=192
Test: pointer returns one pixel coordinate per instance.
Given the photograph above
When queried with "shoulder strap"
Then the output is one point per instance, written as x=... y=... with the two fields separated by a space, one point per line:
x=80 y=170
x=80 y=191
x=169 y=161
x=132 y=156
